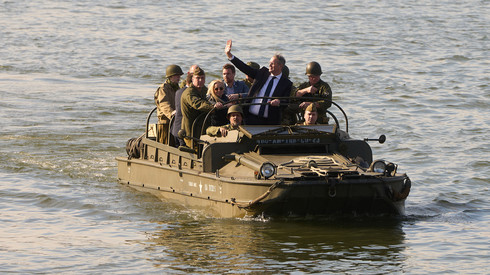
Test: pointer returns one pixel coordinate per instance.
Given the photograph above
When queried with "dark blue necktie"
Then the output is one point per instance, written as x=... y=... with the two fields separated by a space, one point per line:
x=266 y=94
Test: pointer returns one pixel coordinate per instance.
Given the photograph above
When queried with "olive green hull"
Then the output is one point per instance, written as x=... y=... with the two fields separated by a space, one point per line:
x=270 y=170
x=238 y=197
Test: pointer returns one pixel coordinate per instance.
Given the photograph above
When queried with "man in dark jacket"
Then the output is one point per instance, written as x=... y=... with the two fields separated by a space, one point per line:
x=268 y=82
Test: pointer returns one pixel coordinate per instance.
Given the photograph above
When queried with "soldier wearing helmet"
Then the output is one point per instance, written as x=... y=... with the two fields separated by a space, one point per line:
x=315 y=88
x=165 y=101
x=235 y=115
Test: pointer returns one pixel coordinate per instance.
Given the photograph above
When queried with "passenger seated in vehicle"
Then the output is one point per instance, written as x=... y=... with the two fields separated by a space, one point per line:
x=235 y=115
x=216 y=93
x=311 y=115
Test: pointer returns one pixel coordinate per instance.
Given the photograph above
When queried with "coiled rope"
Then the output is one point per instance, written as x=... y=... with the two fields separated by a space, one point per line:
x=134 y=147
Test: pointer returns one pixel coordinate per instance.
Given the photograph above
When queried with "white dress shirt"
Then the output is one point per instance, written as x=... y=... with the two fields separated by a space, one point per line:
x=254 y=109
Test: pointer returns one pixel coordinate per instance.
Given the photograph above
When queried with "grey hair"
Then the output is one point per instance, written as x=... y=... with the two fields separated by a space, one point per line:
x=281 y=58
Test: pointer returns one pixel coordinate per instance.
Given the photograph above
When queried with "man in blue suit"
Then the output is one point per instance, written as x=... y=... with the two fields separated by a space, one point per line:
x=268 y=82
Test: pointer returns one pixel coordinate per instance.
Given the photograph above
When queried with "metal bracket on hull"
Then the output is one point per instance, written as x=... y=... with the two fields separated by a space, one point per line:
x=403 y=194
x=407 y=185
x=261 y=197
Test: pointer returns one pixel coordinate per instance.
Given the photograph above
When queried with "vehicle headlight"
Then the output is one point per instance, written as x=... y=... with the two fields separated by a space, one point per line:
x=378 y=166
x=267 y=170
x=390 y=169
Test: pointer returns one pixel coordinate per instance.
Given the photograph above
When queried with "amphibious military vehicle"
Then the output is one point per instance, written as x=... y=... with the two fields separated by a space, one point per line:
x=273 y=170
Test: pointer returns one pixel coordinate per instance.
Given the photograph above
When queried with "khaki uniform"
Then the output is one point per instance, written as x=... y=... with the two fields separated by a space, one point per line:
x=325 y=92
x=289 y=114
x=193 y=103
x=214 y=130
x=183 y=83
x=165 y=101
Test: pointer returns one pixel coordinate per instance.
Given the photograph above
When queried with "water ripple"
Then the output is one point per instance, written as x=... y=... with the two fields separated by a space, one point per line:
x=77 y=81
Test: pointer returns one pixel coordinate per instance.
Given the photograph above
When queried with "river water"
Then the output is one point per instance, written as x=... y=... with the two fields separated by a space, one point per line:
x=77 y=80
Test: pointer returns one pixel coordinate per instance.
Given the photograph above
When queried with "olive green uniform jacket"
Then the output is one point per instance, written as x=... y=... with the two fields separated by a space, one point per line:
x=165 y=101
x=214 y=130
x=324 y=92
x=193 y=103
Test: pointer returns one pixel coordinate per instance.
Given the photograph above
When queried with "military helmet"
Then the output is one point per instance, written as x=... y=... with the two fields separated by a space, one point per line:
x=173 y=70
x=235 y=109
x=254 y=65
x=313 y=68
